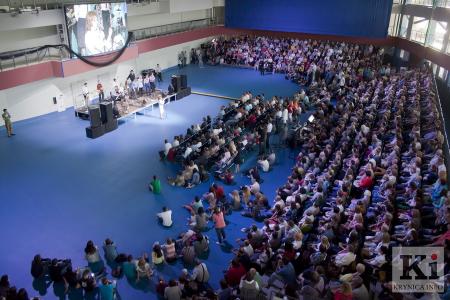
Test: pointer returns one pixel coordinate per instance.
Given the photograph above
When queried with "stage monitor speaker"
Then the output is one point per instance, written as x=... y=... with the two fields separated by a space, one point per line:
x=184 y=93
x=111 y=126
x=94 y=116
x=183 y=81
x=176 y=83
x=95 y=132
x=106 y=112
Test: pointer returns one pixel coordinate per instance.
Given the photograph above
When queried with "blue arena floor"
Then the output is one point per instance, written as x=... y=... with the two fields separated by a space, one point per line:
x=59 y=189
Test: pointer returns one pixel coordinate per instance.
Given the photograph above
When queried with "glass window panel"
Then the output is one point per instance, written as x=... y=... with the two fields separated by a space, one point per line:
x=419 y=29
x=441 y=73
x=392 y=24
x=436 y=34
x=404 y=27
x=420 y=2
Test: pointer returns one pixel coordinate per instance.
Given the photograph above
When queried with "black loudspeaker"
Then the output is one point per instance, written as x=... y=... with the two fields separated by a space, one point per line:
x=183 y=79
x=111 y=126
x=94 y=116
x=95 y=132
x=106 y=112
x=176 y=83
x=183 y=93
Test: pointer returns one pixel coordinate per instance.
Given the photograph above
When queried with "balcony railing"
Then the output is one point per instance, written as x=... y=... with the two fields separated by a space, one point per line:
x=23 y=57
x=156 y=31
x=11 y=6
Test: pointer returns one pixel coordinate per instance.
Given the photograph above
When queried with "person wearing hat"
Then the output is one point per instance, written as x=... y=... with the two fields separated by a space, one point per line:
x=85 y=92
x=8 y=124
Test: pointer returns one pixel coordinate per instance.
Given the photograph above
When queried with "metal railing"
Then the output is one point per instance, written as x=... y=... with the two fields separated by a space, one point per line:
x=156 y=31
x=23 y=57
x=418 y=36
x=446 y=149
x=32 y=5
x=14 y=59
x=430 y=3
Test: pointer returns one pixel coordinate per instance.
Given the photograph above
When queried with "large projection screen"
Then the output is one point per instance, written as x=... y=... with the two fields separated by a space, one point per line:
x=95 y=29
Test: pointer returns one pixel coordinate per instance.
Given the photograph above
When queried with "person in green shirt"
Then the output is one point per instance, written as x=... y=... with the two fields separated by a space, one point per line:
x=155 y=185
x=107 y=289
x=7 y=119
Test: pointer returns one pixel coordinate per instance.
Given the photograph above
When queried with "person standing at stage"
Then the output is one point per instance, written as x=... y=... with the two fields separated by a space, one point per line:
x=8 y=124
x=131 y=76
x=115 y=84
x=152 y=82
x=200 y=57
x=101 y=94
x=85 y=92
x=140 y=86
x=158 y=73
x=147 y=85
x=161 y=103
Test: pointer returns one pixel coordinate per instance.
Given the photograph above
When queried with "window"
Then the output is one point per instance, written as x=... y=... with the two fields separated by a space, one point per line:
x=420 y=2
x=393 y=24
x=436 y=34
x=404 y=55
x=404 y=27
x=442 y=73
x=419 y=29
x=443 y=3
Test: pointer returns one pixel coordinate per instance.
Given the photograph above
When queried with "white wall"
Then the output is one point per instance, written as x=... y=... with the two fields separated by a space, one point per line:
x=34 y=99
x=145 y=21
x=31 y=20
x=28 y=38
x=187 y=5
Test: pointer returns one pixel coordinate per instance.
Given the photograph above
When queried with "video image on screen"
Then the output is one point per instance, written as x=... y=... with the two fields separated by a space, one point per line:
x=96 y=28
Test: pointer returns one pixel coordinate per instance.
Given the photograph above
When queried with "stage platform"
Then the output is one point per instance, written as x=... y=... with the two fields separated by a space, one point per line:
x=214 y=95
x=131 y=107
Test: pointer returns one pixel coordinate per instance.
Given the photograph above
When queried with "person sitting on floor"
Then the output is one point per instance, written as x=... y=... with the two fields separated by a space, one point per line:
x=165 y=217
x=155 y=185
x=143 y=269
x=227 y=177
x=157 y=254
x=263 y=163
x=195 y=180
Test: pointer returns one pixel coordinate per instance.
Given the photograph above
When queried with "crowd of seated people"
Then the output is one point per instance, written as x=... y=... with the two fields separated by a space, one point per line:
x=9 y=291
x=303 y=61
x=220 y=144
x=370 y=177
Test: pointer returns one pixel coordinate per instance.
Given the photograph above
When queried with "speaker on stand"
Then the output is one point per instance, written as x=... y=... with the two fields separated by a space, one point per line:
x=183 y=79
x=96 y=129
x=95 y=116
x=107 y=116
x=176 y=83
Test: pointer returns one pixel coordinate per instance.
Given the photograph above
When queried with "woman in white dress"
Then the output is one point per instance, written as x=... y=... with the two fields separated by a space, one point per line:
x=95 y=39
x=161 y=106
